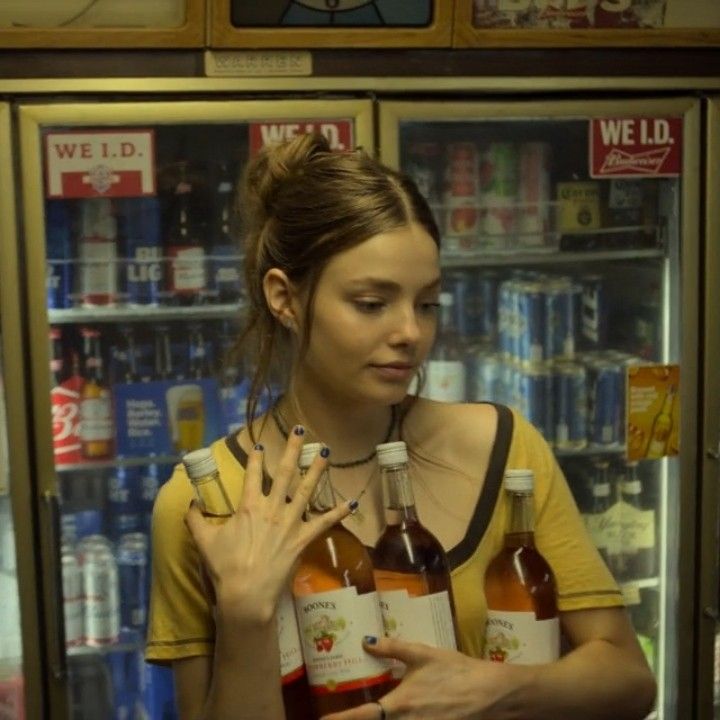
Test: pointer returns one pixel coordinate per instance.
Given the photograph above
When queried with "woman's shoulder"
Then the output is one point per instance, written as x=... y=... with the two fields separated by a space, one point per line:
x=467 y=430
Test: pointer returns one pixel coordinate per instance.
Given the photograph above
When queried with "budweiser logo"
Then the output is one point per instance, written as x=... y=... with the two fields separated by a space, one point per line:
x=649 y=162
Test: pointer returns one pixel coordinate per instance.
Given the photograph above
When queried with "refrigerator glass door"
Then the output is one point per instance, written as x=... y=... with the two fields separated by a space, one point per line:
x=562 y=238
x=136 y=291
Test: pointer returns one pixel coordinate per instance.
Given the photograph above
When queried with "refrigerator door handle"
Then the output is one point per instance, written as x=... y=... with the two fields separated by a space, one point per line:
x=58 y=663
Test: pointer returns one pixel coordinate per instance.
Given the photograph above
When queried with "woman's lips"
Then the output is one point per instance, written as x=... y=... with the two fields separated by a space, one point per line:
x=395 y=372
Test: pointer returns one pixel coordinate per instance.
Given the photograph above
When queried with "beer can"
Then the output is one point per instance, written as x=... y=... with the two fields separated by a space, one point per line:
x=605 y=387
x=505 y=303
x=487 y=306
x=500 y=193
x=534 y=194
x=531 y=324
x=60 y=261
x=132 y=562
x=486 y=378
x=101 y=592
x=124 y=512
x=462 y=178
x=461 y=285
x=422 y=165
x=571 y=406
x=562 y=300
x=73 y=605
x=593 y=312
x=535 y=398
x=125 y=670
x=143 y=271
x=508 y=384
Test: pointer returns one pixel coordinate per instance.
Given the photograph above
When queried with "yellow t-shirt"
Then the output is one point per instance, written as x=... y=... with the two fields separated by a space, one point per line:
x=181 y=622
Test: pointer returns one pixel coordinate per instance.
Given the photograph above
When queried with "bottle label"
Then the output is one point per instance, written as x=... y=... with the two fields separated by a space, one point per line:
x=520 y=638
x=425 y=619
x=98 y=276
x=332 y=626
x=96 y=419
x=188 y=269
x=65 y=402
x=637 y=528
x=445 y=381
x=291 y=659
x=597 y=525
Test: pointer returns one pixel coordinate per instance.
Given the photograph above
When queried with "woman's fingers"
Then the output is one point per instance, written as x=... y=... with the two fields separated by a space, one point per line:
x=410 y=653
x=252 y=487
x=288 y=466
x=306 y=486
x=318 y=525
x=369 y=711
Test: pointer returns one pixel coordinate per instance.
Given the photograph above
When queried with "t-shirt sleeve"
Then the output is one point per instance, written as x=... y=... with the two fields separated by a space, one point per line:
x=180 y=621
x=583 y=580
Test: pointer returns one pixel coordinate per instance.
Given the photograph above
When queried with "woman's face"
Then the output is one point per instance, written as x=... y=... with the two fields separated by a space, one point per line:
x=374 y=318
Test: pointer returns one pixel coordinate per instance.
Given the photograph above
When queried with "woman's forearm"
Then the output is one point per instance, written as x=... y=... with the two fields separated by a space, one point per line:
x=596 y=681
x=246 y=673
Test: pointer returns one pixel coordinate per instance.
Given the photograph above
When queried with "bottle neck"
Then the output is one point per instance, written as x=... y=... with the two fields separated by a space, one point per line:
x=521 y=526
x=399 y=496
x=323 y=498
x=211 y=495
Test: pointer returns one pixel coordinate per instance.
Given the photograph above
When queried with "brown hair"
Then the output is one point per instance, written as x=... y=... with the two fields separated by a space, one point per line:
x=302 y=204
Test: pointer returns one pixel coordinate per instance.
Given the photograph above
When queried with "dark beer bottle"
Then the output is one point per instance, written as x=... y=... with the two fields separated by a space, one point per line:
x=96 y=421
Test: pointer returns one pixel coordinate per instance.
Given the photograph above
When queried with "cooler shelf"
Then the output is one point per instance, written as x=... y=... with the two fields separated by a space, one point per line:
x=113 y=314
x=489 y=258
x=117 y=462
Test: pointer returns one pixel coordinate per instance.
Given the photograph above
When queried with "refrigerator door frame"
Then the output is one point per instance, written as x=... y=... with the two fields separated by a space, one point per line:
x=96 y=113
x=16 y=398
x=393 y=112
x=708 y=602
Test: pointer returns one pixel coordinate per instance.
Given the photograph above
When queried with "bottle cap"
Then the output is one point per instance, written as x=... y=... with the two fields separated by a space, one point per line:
x=632 y=487
x=309 y=451
x=520 y=481
x=392 y=453
x=199 y=463
x=446 y=299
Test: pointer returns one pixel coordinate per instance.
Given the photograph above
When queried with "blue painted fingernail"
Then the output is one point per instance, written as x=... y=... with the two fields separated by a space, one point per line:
x=259 y=447
x=370 y=640
x=353 y=505
x=299 y=430
x=325 y=452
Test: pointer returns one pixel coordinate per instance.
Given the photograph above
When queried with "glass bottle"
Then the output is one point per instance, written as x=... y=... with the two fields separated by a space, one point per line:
x=637 y=528
x=199 y=364
x=412 y=573
x=187 y=273
x=96 y=421
x=226 y=261
x=215 y=504
x=98 y=250
x=445 y=368
x=337 y=605
x=523 y=624
x=163 y=353
x=661 y=427
x=597 y=520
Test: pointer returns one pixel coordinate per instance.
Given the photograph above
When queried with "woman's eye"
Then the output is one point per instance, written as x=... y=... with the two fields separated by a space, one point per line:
x=369 y=306
x=429 y=307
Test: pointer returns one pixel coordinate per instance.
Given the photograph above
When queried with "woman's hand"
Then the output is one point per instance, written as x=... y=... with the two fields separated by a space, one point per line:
x=250 y=557
x=440 y=684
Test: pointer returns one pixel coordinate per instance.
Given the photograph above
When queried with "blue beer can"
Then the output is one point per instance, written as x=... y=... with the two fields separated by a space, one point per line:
x=125 y=668
x=531 y=324
x=605 y=392
x=562 y=300
x=535 y=398
x=60 y=261
x=505 y=319
x=487 y=307
x=132 y=562
x=124 y=512
x=464 y=310
x=593 y=312
x=571 y=406
x=143 y=250
x=486 y=378
x=149 y=488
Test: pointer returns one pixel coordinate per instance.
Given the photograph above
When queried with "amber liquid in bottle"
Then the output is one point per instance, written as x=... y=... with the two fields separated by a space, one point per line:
x=216 y=506
x=410 y=562
x=523 y=621
x=336 y=604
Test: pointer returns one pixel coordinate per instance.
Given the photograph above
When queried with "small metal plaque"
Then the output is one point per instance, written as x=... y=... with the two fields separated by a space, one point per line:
x=257 y=63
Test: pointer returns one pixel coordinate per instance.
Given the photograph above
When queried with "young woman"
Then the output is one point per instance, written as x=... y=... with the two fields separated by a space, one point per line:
x=343 y=276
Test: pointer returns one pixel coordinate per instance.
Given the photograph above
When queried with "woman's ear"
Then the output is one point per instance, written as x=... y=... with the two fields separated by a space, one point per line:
x=280 y=297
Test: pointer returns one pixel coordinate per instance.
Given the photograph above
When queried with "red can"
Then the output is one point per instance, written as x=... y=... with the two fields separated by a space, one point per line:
x=462 y=182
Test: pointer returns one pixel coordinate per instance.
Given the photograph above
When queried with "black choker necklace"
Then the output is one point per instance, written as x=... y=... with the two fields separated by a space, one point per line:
x=283 y=430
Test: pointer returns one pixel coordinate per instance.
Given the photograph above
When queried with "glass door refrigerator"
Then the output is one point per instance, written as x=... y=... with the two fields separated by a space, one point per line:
x=134 y=289
x=708 y=606
x=20 y=652
x=570 y=269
